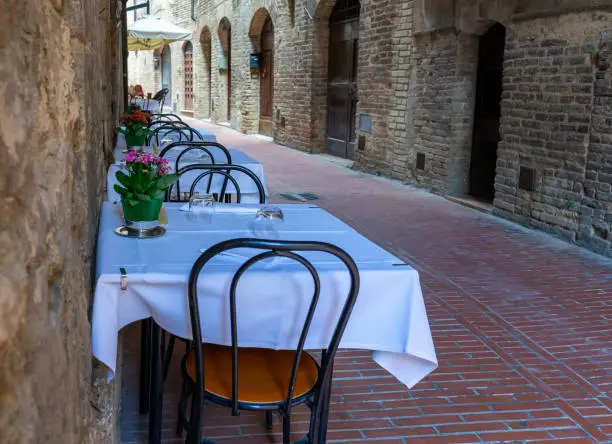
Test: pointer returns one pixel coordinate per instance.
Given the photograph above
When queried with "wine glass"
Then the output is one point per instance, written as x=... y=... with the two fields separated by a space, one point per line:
x=201 y=200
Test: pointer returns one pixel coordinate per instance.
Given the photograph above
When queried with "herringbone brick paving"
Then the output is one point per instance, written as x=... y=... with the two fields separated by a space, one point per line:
x=520 y=322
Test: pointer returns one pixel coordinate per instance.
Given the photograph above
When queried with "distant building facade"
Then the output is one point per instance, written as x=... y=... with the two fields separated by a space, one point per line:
x=508 y=101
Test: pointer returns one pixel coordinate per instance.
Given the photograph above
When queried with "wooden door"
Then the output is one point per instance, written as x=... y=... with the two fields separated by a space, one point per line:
x=266 y=80
x=188 y=52
x=342 y=87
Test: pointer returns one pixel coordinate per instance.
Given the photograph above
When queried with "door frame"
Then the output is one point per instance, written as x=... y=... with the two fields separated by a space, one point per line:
x=166 y=57
x=188 y=49
x=266 y=126
x=345 y=148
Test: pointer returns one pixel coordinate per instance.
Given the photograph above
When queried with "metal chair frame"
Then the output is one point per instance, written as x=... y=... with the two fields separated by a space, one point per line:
x=317 y=399
x=184 y=131
x=161 y=96
x=209 y=170
x=195 y=145
x=166 y=117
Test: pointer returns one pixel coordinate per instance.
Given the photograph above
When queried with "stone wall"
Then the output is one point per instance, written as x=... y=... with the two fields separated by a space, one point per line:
x=58 y=90
x=555 y=112
x=300 y=68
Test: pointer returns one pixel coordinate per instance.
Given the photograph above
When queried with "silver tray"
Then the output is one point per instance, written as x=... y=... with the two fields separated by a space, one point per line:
x=124 y=231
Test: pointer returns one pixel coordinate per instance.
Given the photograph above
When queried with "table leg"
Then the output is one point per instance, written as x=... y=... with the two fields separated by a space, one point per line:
x=145 y=365
x=157 y=384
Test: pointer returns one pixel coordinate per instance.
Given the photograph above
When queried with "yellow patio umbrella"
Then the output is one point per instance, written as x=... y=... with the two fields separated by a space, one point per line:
x=150 y=33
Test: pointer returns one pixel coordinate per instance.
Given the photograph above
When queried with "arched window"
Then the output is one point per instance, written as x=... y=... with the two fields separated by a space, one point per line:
x=188 y=57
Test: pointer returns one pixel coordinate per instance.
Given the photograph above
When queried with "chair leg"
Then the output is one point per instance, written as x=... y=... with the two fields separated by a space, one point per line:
x=286 y=429
x=269 y=420
x=168 y=357
x=181 y=408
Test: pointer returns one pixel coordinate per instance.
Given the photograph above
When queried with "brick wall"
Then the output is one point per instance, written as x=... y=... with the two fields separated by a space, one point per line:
x=375 y=71
x=300 y=69
x=554 y=114
x=418 y=85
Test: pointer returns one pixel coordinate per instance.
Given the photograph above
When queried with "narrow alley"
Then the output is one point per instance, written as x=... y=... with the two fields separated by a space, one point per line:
x=520 y=322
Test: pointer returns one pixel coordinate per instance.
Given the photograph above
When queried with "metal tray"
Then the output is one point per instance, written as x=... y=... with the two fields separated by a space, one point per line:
x=124 y=231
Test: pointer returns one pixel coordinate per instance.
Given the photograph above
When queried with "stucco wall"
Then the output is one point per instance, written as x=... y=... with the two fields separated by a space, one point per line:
x=58 y=109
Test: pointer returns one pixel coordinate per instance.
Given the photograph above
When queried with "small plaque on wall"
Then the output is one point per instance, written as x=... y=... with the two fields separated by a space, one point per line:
x=365 y=123
x=254 y=61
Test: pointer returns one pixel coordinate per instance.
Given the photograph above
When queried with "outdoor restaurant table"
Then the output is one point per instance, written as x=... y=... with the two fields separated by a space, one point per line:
x=207 y=136
x=147 y=104
x=389 y=316
x=248 y=189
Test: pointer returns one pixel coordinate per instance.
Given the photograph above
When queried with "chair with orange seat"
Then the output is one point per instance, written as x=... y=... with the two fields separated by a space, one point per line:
x=262 y=379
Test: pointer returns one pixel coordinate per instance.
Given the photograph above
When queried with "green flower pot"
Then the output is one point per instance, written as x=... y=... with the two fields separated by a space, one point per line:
x=143 y=215
x=133 y=140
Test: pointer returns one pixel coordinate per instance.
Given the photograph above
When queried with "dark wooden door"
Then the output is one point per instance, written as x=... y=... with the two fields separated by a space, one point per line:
x=342 y=88
x=487 y=113
x=266 y=79
x=188 y=52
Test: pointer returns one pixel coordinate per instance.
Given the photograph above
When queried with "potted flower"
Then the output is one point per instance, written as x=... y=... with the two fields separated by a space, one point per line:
x=143 y=188
x=135 y=125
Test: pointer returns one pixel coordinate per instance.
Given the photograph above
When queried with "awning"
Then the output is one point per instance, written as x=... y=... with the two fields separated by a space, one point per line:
x=151 y=33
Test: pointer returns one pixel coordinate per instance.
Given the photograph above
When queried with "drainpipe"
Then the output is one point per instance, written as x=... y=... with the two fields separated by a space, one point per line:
x=193 y=5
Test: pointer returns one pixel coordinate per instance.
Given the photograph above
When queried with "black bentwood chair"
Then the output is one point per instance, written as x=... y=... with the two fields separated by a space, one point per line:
x=262 y=379
x=171 y=131
x=208 y=171
x=204 y=147
x=160 y=96
x=166 y=117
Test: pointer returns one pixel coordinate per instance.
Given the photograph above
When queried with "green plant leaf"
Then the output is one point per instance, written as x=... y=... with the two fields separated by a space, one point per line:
x=143 y=197
x=119 y=189
x=159 y=194
x=132 y=202
x=166 y=181
x=124 y=179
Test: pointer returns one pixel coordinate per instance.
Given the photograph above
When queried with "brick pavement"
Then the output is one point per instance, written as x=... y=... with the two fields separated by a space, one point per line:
x=520 y=323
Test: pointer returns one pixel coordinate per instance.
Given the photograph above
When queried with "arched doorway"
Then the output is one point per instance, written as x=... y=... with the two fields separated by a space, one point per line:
x=342 y=78
x=167 y=71
x=266 y=79
x=188 y=71
x=225 y=69
x=487 y=113
x=205 y=43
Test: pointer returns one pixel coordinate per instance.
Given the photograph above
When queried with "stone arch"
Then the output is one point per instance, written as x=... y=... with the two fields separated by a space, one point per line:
x=224 y=33
x=257 y=23
x=324 y=9
x=224 y=106
x=205 y=86
x=261 y=35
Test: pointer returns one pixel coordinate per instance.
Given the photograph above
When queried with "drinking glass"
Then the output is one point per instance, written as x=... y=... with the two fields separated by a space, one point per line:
x=270 y=213
x=201 y=200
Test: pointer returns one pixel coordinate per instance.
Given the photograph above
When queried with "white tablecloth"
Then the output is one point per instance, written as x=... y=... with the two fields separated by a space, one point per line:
x=207 y=136
x=147 y=104
x=248 y=189
x=389 y=316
